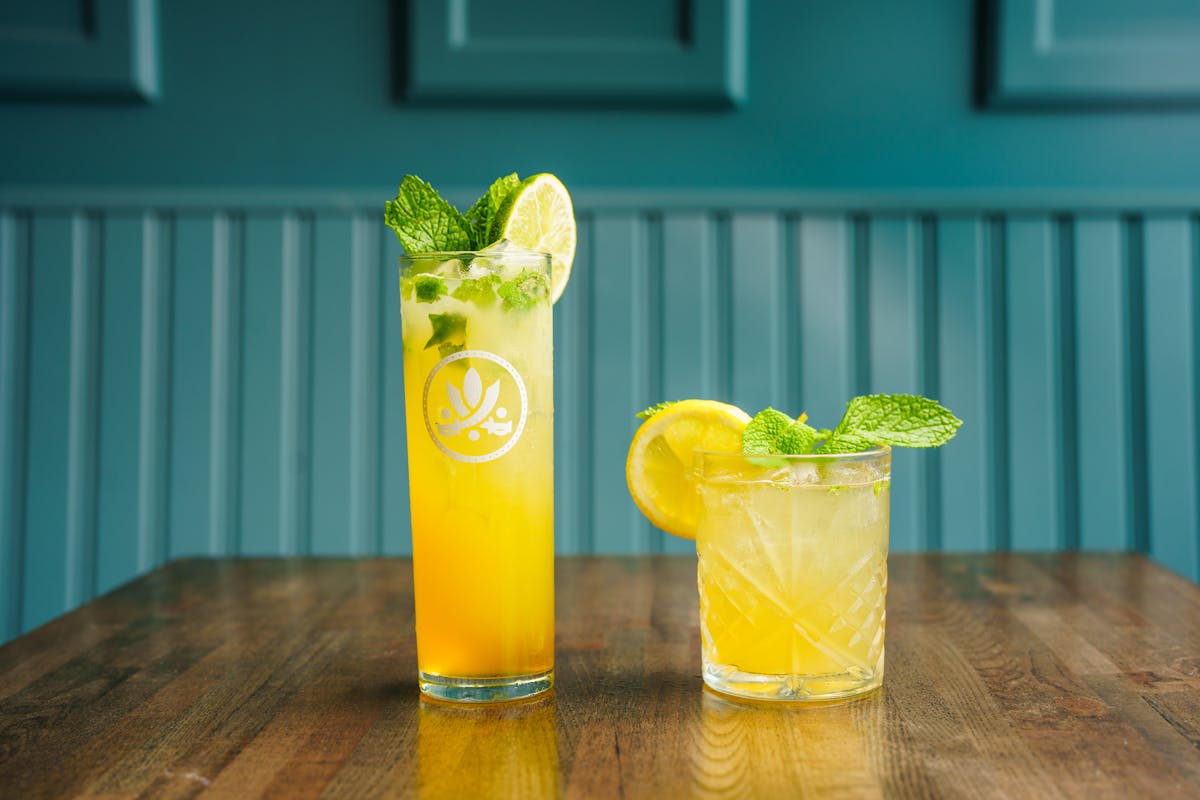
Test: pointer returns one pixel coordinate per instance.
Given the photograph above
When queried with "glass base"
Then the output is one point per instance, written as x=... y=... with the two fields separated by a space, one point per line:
x=792 y=688
x=485 y=690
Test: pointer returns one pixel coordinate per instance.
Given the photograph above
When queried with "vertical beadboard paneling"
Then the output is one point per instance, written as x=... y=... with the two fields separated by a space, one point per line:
x=826 y=317
x=895 y=287
x=996 y=420
x=962 y=336
x=14 y=393
x=716 y=284
x=45 y=546
x=261 y=375
x=1171 y=401
x=365 y=292
x=646 y=331
x=687 y=251
x=332 y=363
x=120 y=400
x=617 y=245
x=236 y=384
x=1034 y=422
x=190 y=376
x=225 y=399
x=758 y=378
x=1102 y=367
x=154 y=405
x=572 y=405
x=396 y=529
x=295 y=391
x=86 y=265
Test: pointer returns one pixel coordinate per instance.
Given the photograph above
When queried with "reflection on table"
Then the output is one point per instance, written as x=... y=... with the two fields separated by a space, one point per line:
x=498 y=751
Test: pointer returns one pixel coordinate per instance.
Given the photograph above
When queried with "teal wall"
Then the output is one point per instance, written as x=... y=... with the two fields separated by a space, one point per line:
x=864 y=93
x=198 y=342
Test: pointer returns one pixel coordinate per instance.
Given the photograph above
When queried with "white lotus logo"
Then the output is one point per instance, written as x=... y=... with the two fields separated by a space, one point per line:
x=457 y=401
x=473 y=409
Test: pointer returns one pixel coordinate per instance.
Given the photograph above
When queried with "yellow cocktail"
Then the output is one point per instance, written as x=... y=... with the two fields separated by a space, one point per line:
x=793 y=573
x=478 y=384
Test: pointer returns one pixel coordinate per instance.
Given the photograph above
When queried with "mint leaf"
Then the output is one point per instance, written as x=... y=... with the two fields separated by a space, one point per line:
x=480 y=291
x=797 y=440
x=446 y=348
x=524 y=291
x=482 y=215
x=448 y=328
x=762 y=432
x=428 y=288
x=423 y=221
x=896 y=420
x=774 y=433
x=647 y=413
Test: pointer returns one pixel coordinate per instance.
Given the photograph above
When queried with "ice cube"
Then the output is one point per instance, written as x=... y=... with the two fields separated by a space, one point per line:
x=506 y=247
x=795 y=473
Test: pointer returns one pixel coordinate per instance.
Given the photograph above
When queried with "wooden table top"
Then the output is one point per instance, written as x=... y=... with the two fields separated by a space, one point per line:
x=1014 y=676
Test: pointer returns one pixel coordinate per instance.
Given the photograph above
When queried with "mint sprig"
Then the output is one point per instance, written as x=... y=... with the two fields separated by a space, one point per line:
x=423 y=221
x=762 y=433
x=482 y=215
x=895 y=420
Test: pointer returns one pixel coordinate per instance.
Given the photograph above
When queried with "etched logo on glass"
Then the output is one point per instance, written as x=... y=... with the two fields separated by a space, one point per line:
x=475 y=406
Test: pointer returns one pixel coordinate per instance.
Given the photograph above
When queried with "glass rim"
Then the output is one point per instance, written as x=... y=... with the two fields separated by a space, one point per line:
x=861 y=455
x=446 y=255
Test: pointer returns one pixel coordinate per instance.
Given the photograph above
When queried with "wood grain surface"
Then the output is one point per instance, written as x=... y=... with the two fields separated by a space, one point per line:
x=1057 y=675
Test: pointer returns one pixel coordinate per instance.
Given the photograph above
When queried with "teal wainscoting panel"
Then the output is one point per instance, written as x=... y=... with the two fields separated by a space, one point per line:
x=100 y=50
x=295 y=388
x=616 y=249
x=686 y=358
x=330 y=386
x=225 y=405
x=14 y=393
x=367 y=292
x=965 y=467
x=572 y=406
x=190 y=365
x=756 y=340
x=1072 y=52
x=826 y=315
x=894 y=328
x=118 y=556
x=691 y=53
x=154 y=388
x=260 y=494
x=1102 y=365
x=1172 y=404
x=47 y=465
x=1034 y=385
x=395 y=536
x=186 y=377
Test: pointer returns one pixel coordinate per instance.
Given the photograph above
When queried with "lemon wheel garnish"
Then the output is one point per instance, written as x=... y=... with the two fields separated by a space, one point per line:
x=659 y=468
x=538 y=216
